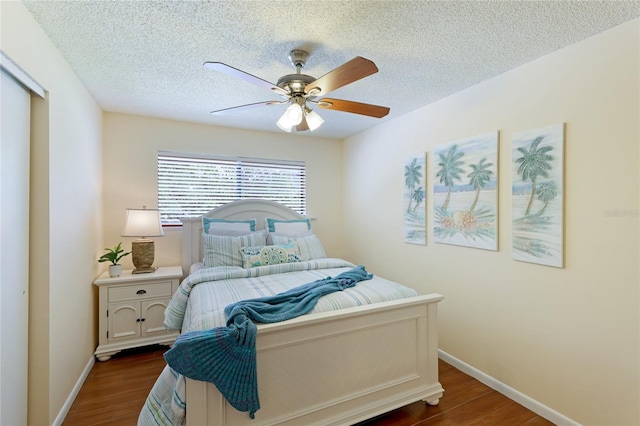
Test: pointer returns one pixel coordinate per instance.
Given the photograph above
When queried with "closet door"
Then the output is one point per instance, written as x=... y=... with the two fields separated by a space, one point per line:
x=14 y=249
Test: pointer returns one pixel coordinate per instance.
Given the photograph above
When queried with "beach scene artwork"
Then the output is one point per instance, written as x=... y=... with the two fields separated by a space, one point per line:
x=414 y=199
x=465 y=192
x=537 y=195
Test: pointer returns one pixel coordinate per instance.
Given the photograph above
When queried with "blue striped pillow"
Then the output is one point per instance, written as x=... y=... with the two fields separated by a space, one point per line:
x=222 y=250
x=309 y=245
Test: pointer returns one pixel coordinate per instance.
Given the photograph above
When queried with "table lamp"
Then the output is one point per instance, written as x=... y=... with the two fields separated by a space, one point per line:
x=143 y=223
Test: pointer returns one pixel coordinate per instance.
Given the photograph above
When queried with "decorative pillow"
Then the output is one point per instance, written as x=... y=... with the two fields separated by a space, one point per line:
x=309 y=245
x=208 y=225
x=270 y=255
x=222 y=250
x=296 y=226
x=270 y=236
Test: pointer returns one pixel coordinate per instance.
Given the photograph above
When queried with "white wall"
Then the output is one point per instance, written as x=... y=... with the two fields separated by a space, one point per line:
x=569 y=338
x=131 y=144
x=66 y=216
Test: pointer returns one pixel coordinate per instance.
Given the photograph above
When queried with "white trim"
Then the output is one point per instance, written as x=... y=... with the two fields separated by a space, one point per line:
x=74 y=393
x=517 y=396
x=7 y=64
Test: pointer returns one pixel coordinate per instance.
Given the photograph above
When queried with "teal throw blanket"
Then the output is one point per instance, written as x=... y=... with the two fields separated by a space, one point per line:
x=226 y=356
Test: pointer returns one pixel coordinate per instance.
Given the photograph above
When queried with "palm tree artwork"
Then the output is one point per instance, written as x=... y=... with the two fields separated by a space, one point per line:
x=465 y=192
x=534 y=163
x=414 y=200
x=546 y=192
x=537 y=201
x=449 y=171
x=478 y=178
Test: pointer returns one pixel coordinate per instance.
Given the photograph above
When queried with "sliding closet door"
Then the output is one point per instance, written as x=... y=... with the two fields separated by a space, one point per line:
x=14 y=249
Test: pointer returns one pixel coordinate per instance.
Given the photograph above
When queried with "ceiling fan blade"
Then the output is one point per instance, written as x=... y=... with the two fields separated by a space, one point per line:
x=346 y=73
x=229 y=70
x=354 y=107
x=246 y=107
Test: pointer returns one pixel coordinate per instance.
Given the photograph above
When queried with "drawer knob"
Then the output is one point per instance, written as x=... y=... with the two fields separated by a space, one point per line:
x=141 y=292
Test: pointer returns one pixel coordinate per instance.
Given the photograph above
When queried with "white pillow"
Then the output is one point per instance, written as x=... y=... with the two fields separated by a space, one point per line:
x=270 y=236
x=210 y=225
x=295 y=226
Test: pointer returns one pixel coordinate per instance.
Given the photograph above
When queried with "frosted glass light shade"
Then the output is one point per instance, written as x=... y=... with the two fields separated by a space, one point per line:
x=294 y=114
x=284 y=124
x=292 y=117
x=143 y=223
x=313 y=120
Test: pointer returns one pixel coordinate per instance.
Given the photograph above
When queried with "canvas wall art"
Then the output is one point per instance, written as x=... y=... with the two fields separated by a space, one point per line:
x=537 y=195
x=414 y=199
x=465 y=192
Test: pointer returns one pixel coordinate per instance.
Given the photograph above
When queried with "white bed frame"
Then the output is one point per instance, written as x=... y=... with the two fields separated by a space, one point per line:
x=332 y=368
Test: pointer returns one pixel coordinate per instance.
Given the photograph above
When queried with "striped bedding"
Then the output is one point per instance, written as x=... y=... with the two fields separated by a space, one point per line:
x=199 y=305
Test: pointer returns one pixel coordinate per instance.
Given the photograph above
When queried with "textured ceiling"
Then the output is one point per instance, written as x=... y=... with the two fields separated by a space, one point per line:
x=146 y=58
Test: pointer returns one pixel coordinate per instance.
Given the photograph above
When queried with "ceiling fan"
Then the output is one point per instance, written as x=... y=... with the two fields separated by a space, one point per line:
x=301 y=90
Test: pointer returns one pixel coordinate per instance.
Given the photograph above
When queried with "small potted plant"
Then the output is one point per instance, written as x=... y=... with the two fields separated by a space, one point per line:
x=114 y=255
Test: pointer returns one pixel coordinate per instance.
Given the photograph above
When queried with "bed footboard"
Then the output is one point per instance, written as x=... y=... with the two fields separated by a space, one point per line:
x=336 y=368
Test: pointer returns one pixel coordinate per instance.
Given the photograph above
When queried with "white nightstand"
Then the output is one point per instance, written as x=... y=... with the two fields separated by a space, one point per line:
x=131 y=310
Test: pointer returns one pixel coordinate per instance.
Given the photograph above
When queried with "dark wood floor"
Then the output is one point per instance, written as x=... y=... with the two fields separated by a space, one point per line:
x=115 y=391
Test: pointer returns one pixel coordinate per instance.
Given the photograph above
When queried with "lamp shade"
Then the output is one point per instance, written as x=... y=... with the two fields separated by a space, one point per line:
x=284 y=124
x=313 y=120
x=292 y=116
x=143 y=223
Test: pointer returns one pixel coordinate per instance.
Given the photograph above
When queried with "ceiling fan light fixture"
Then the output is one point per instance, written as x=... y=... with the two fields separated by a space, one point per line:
x=294 y=113
x=292 y=116
x=313 y=119
x=284 y=123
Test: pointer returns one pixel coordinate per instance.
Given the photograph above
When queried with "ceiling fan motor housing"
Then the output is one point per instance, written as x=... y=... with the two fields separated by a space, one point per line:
x=295 y=83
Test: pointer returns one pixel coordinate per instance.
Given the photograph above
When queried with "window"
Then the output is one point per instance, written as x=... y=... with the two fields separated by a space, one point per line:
x=191 y=185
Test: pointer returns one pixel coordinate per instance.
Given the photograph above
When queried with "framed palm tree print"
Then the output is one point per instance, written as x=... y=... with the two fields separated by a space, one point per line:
x=465 y=192
x=537 y=195
x=414 y=199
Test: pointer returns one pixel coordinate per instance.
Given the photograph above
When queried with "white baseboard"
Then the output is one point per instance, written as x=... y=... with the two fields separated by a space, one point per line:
x=74 y=393
x=522 y=399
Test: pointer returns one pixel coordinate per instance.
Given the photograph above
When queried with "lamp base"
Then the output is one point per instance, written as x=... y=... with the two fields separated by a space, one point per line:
x=143 y=252
x=144 y=270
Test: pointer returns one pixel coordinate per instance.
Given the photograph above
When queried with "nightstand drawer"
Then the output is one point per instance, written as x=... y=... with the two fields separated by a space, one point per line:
x=140 y=291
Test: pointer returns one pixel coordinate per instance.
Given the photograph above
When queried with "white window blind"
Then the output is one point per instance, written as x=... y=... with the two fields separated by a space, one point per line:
x=191 y=185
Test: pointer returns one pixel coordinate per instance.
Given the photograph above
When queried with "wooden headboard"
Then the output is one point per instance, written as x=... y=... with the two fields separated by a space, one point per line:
x=192 y=249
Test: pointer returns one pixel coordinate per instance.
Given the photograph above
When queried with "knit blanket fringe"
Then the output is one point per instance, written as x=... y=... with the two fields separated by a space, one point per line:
x=226 y=356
